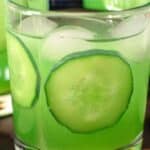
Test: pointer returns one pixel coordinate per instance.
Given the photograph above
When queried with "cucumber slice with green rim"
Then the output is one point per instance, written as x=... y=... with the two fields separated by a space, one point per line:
x=23 y=72
x=89 y=90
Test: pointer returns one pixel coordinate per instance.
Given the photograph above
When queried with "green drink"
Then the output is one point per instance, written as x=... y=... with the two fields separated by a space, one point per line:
x=113 y=4
x=79 y=80
x=5 y=104
x=2 y=28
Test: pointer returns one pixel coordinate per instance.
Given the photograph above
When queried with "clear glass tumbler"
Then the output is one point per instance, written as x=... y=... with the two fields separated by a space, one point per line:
x=79 y=78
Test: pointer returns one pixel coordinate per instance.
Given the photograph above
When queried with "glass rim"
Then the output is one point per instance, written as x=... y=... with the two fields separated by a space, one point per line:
x=104 y=14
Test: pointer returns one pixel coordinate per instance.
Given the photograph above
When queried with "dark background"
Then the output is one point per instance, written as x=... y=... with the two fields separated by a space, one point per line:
x=6 y=132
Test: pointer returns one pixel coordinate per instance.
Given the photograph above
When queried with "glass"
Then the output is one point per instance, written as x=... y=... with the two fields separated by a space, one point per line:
x=5 y=99
x=78 y=78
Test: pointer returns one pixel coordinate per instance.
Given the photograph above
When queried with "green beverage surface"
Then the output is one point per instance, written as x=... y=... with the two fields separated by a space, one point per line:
x=91 y=91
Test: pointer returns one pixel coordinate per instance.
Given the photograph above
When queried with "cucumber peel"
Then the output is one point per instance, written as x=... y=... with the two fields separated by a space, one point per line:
x=90 y=90
x=24 y=74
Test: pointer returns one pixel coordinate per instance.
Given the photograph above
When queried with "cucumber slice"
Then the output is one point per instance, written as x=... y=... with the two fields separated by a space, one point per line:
x=89 y=90
x=23 y=72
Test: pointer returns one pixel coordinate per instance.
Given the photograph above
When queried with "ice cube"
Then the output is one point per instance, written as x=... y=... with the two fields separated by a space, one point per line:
x=36 y=26
x=94 y=24
x=134 y=48
x=66 y=40
x=99 y=26
x=75 y=32
x=134 y=44
x=128 y=27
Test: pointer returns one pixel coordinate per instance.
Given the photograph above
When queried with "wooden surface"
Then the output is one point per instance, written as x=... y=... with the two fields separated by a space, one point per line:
x=6 y=133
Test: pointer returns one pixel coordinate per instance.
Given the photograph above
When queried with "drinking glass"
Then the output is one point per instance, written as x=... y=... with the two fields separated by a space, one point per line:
x=79 y=77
